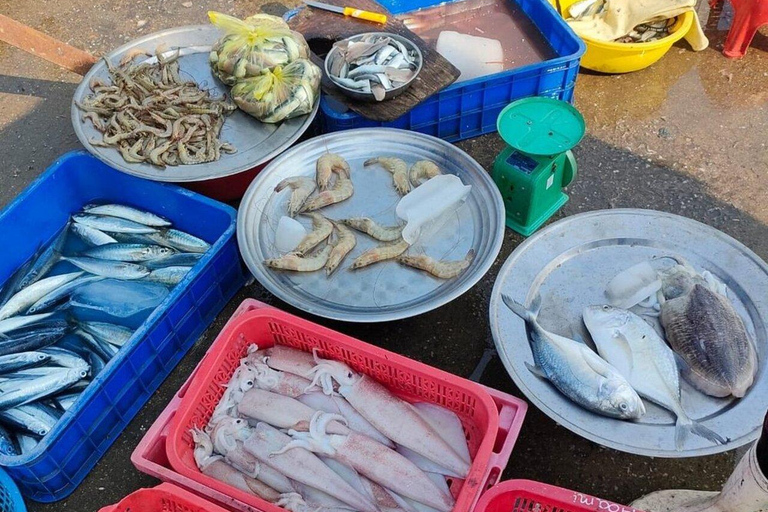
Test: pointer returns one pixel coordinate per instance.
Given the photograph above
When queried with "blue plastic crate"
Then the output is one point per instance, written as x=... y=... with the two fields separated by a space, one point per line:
x=470 y=108
x=65 y=456
x=10 y=497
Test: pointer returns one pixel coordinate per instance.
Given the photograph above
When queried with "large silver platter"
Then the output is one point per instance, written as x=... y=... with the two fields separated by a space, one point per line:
x=569 y=264
x=256 y=142
x=385 y=291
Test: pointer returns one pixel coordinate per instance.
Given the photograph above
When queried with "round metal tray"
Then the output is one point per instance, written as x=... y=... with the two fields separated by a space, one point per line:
x=384 y=291
x=569 y=264
x=256 y=142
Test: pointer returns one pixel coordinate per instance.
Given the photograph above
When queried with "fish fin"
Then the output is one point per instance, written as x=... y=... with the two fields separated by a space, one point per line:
x=536 y=371
x=517 y=308
x=597 y=363
x=685 y=426
x=535 y=307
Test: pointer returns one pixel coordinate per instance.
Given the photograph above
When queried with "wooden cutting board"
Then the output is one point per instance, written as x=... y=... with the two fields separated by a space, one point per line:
x=322 y=28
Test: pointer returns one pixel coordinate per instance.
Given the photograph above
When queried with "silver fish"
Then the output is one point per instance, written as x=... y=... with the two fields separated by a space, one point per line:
x=12 y=284
x=577 y=371
x=112 y=224
x=65 y=358
x=703 y=327
x=113 y=269
x=97 y=365
x=41 y=336
x=181 y=259
x=29 y=418
x=128 y=252
x=182 y=241
x=19 y=322
x=8 y=445
x=91 y=235
x=26 y=443
x=14 y=393
x=66 y=401
x=61 y=293
x=170 y=276
x=128 y=213
x=102 y=349
x=111 y=333
x=46 y=260
x=34 y=292
x=13 y=362
x=634 y=348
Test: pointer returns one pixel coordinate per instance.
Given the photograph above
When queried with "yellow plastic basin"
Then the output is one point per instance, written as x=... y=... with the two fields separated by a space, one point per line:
x=610 y=57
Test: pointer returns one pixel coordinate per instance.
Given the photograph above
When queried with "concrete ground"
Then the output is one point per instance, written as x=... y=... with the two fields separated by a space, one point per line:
x=686 y=136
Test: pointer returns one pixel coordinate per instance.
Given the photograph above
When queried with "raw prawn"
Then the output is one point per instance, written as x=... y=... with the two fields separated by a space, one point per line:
x=372 y=459
x=298 y=263
x=344 y=244
x=302 y=466
x=422 y=170
x=397 y=167
x=301 y=188
x=341 y=191
x=438 y=268
x=321 y=230
x=374 y=230
x=393 y=417
x=380 y=253
x=327 y=165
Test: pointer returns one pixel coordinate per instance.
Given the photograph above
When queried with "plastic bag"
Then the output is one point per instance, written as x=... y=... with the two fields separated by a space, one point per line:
x=281 y=93
x=249 y=46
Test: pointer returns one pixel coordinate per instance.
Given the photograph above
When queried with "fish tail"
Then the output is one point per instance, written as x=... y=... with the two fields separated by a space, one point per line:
x=518 y=308
x=685 y=425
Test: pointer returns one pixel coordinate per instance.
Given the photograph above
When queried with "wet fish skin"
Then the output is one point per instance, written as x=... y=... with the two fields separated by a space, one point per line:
x=19 y=361
x=21 y=392
x=29 y=418
x=47 y=259
x=112 y=224
x=100 y=348
x=170 y=276
x=65 y=358
x=634 y=348
x=104 y=268
x=41 y=337
x=127 y=213
x=97 y=365
x=8 y=445
x=704 y=329
x=180 y=259
x=26 y=443
x=60 y=294
x=128 y=252
x=67 y=401
x=181 y=241
x=577 y=372
x=13 y=283
x=34 y=292
x=91 y=235
x=107 y=332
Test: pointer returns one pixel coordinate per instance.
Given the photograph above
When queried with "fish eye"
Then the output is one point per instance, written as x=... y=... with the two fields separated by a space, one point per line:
x=606 y=308
x=623 y=406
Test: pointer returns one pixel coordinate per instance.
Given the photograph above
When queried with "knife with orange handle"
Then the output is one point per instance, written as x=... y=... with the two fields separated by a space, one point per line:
x=349 y=11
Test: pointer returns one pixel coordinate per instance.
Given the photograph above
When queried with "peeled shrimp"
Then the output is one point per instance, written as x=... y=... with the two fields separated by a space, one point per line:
x=301 y=188
x=341 y=191
x=397 y=167
x=380 y=253
x=299 y=263
x=438 y=268
x=327 y=165
x=321 y=229
x=422 y=170
x=345 y=243
x=374 y=230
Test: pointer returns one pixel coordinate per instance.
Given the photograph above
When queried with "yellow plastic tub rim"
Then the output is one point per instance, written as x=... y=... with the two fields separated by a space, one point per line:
x=612 y=57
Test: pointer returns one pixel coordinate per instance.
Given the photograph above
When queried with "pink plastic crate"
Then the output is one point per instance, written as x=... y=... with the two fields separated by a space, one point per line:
x=492 y=419
x=530 y=496
x=163 y=498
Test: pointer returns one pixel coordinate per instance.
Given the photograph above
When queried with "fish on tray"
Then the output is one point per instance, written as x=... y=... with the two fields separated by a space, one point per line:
x=576 y=371
x=634 y=348
x=48 y=353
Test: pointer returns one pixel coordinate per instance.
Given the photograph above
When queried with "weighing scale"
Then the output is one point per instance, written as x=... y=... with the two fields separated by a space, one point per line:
x=537 y=163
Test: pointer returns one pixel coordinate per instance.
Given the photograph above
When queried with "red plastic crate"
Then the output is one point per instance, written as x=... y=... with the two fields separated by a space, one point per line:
x=491 y=418
x=530 y=496
x=163 y=498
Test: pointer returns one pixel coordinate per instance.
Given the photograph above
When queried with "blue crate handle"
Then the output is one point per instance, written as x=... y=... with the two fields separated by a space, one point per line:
x=10 y=497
